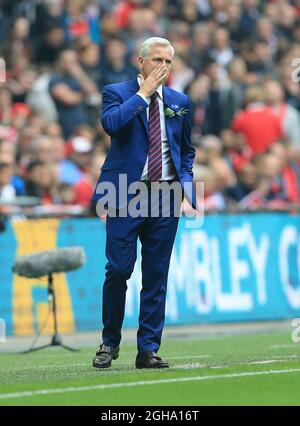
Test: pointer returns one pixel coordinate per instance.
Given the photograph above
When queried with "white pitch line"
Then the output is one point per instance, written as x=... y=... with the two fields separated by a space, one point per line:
x=286 y=356
x=188 y=366
x=266 y=361
x=288 y=345
x=143 y=383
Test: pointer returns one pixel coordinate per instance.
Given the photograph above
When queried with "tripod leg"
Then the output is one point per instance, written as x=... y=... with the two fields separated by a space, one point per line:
x=50 y=345
x=69 y=348
x=36 y=349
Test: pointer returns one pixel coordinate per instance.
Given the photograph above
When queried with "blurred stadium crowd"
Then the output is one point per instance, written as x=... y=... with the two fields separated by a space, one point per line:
x=234 y=59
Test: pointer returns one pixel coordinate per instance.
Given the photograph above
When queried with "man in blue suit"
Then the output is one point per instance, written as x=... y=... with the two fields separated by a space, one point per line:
x=150 y=128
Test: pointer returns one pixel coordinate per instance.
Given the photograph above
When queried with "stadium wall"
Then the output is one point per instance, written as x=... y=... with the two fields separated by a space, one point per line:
x=234 y=268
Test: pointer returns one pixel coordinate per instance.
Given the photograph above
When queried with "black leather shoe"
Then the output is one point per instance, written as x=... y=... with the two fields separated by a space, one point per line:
x=104 y=356
x=149 y=360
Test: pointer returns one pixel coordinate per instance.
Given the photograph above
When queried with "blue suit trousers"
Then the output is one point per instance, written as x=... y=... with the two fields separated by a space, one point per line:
x=157 y=235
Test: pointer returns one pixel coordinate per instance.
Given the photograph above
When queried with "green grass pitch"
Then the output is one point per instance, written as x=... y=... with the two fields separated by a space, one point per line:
x=249 y=369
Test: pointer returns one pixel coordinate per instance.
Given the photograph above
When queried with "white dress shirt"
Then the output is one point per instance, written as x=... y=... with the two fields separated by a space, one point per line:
x=168 y=170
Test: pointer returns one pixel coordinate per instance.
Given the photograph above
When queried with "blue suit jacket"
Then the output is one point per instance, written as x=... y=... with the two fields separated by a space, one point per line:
x=124 y=118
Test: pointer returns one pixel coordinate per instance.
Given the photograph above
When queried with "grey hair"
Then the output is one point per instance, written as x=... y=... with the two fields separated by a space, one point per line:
x=146 y=46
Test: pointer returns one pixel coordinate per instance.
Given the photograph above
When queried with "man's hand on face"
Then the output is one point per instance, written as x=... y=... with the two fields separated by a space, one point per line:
x=75 y=69
x=150 y=84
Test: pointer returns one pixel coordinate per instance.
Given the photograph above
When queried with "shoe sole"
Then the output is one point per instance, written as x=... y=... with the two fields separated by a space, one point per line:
x=101 y=366
x=105 y=365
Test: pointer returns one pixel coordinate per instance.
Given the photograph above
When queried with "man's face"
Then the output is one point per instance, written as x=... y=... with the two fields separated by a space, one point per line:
x=159 y=55
x=67 y=61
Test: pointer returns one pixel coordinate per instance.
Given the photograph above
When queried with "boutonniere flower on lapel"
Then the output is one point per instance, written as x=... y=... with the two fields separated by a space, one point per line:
x=175 y=110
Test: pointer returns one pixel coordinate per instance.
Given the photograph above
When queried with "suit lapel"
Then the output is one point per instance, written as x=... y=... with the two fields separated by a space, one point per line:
x=134 y=87
x=167 y=103
x=143 y=117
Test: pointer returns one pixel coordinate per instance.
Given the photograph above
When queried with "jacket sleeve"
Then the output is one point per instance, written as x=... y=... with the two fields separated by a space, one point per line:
x=115 y=113
x=187 y=149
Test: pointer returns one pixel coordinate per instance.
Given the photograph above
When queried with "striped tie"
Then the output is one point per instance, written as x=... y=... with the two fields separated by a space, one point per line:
x=154 y=155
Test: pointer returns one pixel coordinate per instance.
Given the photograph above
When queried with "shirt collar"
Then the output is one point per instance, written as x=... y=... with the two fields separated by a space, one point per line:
x=159 y=89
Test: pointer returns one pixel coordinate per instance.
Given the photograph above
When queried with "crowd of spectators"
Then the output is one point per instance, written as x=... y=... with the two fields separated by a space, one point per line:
x=236 y=59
